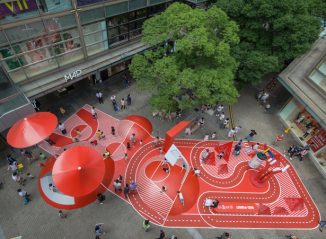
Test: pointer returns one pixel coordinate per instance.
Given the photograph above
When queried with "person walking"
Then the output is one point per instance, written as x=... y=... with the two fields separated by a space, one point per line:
x=278 y=139
x=322 y=225
x=117 y=186
x=126 y=190
x=181 y=198
x=128 y=100
x=231 y=133
x=237 y=148
x=162 y=235
x=99 y=96
x=62 y=128
x=133 y=138
x=225 y=124
x=13 y=167
x=146 y=225
x=10 y=159
x=251 y=135
x=100 y=198
x=98 y=230
x=213 y=135
x=113 y=130
x=94 y=113
x=264 y=97
x=123 y=104
x=219 y=110
x=62 y=215
x=221 y=117
x=15 y=176
x=237 y=129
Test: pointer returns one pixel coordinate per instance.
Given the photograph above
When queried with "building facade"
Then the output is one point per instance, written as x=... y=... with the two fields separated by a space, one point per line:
x=305 y=112
x=47 y=45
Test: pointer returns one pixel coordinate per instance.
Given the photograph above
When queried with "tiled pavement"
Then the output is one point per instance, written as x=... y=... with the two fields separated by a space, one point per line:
x=38 y=220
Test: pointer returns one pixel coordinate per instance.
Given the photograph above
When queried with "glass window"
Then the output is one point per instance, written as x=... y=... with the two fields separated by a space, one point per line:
x=67 y=58
x=41 y=67
x=26 y=31
x=87 y=2
x=54 y=5
x=17 y=75
x=35 y=55
x=97 y=48
x=10 y=61
x=92 y=15
x=13 y=103
x=153 y=2
x=17 y=10
x=116 y=9
x=3 y=40
x=59 y=23
x=95 y=27
x=6 y=88
x=318 y=76
x=136 y=4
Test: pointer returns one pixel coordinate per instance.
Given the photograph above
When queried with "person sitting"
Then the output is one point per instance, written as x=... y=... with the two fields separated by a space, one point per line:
x=166 y=169
x=106 y=154
x=211 y=203
x=204 y=155
x=94 y=142
x=133 y=186
x=197 y=172
x=146 y=225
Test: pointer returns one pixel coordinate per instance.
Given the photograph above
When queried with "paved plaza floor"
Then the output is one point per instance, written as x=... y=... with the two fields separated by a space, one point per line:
x=39 y=220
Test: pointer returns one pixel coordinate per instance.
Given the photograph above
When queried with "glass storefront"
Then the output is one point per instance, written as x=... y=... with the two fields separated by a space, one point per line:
x=46 y=44
x=40 y=47
x=125 y=27
x=306 y=128
x=318 y=75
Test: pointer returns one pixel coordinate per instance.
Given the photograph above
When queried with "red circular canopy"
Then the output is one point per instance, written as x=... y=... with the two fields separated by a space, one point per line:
x=32 y=129
x=78 y=171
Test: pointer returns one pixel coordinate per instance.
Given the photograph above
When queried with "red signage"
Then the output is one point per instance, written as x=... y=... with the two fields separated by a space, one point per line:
x=317 y=141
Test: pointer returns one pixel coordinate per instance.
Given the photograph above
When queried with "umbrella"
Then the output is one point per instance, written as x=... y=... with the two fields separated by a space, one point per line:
x=78 y=171
x=32 y=129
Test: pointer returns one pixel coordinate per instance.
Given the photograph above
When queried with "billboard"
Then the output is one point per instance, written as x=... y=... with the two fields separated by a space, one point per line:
x=16 y=7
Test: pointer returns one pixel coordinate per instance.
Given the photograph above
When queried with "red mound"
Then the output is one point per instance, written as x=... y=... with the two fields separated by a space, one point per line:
x=223 y=169
x=280 y=211
x=294 y=204
x=264 y=210
x=141 y=121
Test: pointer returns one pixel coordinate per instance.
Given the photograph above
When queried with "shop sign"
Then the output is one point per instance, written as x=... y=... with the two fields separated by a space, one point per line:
x=72 y=75
x=318 y=141
x=15 y=7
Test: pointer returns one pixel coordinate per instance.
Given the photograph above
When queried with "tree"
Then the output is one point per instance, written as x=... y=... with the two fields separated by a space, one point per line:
x=191 y=63
x=272 y=33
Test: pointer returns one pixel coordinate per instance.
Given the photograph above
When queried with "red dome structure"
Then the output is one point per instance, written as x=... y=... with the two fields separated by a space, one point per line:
x=78 y=171
x=141 y=121
x=32 y=129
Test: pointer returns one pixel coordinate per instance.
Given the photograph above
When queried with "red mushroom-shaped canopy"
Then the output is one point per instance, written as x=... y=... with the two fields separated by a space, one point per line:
x=78 y=171
x=32 y=129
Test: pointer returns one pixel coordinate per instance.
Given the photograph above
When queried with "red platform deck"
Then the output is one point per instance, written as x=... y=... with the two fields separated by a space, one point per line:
x=282 y=202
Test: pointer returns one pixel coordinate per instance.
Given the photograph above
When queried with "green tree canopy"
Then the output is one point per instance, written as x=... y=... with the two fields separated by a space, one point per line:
x=272 y=33
x=191 y=63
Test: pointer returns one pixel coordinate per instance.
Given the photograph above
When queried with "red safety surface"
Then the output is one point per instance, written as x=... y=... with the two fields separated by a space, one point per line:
x=32 y=129
x=281 y=202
